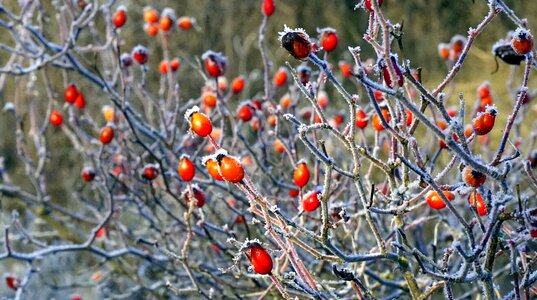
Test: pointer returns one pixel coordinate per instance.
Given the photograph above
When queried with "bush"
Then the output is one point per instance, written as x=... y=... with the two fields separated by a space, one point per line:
x=140 y=171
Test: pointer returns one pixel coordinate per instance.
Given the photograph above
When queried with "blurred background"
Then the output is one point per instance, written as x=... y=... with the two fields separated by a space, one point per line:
x=231 y=27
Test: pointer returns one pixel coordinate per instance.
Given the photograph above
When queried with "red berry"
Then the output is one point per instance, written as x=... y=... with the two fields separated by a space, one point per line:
x=297 y=43
x=483 y=90
x=165 y=23
x=201 y=124
x=151 y=28
x=126 y=60
x=386 y=73
x=484 y=121
x=280 y=78
x=522 y=41
x=408 y=117
x=345 y=68
x=80 y=101
x=268 y=7
x=140 y=54
x=198 y=195
x=56 y=118
x=369 y=6
x=186 y=169
x=301 y=175
x=12 y=282
x=473 y=178
x=293 y=193
x=377 y=123
x=150 y=15
x=215 y=63
x=70 y=94
x=75 y=297
x=237 y=85
x=107 y=134
x=150 y=172
x=475 y=199
x=212 y=168
x=328 y=39
x=361 y=119
x=175 y=63
x=260 y=259
x=120 y=17
x=435 y=201
x=88 y=174
x=230 y=168
x=101 y=232
x=245 y=112
x=186 y=23
x=311 y=201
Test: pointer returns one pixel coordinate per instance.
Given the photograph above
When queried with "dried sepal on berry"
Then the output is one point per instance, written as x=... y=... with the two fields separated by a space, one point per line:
x=296 y=42
x=215 y=63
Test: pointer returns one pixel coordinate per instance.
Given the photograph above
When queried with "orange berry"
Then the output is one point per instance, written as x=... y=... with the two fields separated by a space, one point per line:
x=150 y=15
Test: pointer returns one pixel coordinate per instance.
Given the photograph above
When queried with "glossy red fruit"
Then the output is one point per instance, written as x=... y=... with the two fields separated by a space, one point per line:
x=408 y=117
x=484 y=121
x=186 y=169
x=260 y=259
x=268 y=7
x=101 y=232
x=201 y=124
x=311 y=201
x=150 y=172
x=322 y=99
x=75 y=297
x=361 y=119
x=377 y=123
x=345 y=69
x=80 y=101
x=151 y=28
x=175 y=64
x=150 y=15
x=230 y=168
x=483 y=90
x=198 y=195
x=12 y=282
x=280 y=78
x=70 y=93
x=163 y=67
x=297 y=43
x=165 y=23
x=473 y=178
x=294 y=193
x=120 y=17
x=237 y=85
x=185 y=23
x=386 y=74
x=522 y=41
x=457 y=45
x=301 y=175
x=107 y=134
x=245 y=112
x=369 y=6
x=140 y=54
x=435 y=201
x=88 y=174
x=475 y=199
x=443 y=51
x=328 y=39
x=212 y=169
x=215 y=63
x=56 y=118
x=126 y=60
